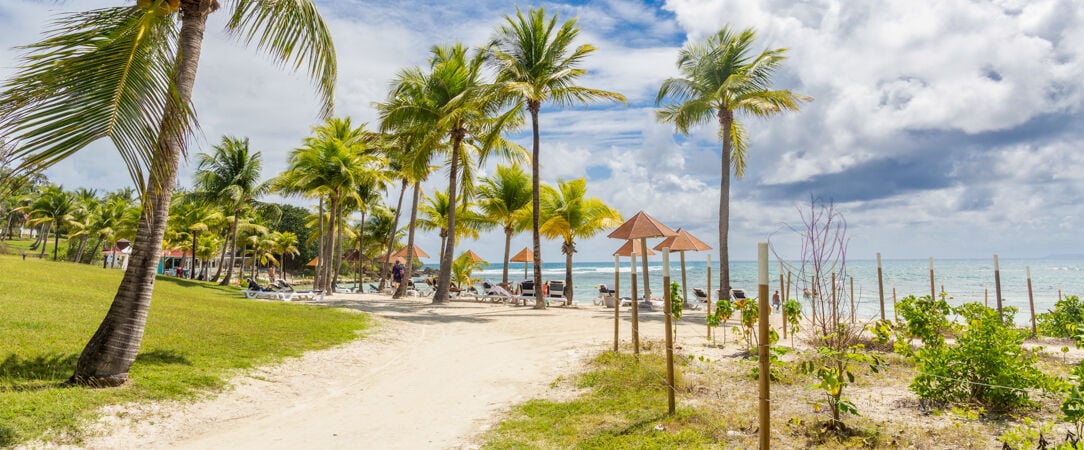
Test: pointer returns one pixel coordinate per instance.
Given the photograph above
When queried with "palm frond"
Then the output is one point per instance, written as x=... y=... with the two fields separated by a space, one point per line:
x=105 y=73
x=293 y=32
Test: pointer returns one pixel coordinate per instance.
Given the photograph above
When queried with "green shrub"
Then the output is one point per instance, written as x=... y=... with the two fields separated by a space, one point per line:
x=988 y=364
x=924 y=318
x=1064 y=319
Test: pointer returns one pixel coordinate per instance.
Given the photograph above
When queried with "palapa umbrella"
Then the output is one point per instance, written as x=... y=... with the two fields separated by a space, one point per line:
x=524 y=256
x=682 y=242
x=474 y=257
x=418 y=253
x=639 y=227
x=314 y=262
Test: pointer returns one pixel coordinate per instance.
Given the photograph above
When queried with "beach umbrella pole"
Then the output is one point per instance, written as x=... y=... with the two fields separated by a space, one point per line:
x=617 y=301
x=643 y=259
x=670 y=390
x=684 y=289
x=635 y=311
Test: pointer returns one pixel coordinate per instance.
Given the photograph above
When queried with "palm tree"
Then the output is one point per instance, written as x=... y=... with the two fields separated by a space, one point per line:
x=536 y=64
x=285 y=243
x=127 y=73
x=52 y=209
x=505 y=198
x=720 y=78
x=330 y=165
x=230 y=178
x=434 y=216
x=569 y=215
x=462 y=115
x=463 y=267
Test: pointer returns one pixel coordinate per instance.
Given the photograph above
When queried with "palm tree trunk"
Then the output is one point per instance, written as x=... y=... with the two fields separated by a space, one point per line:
x=222 y=258
x=110 y=353
x=507 y=247
x=94 y=250
x=568 y=250
x=536 y=240
x=244 y=252
x=339 y=247
x=726 y=120
x=233 y=250
x=445 y=274
x=82 y=247
x=45 y=229
x=317 y=276
x=391 y=238
x=329 y=245
x=361 y=246
x=410 y=239
x=192 y=274
x=56 y=242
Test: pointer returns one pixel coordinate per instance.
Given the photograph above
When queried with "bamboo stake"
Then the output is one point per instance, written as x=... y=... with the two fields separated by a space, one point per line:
x=834 y=303
x=880 y=286
x=895 y=314
x=635 y=310
x=1031 y=303
x=643 y=259
x=617 y=301
x=782 y=311
x=670 y=391
x=765 y=367
x=684 y=289
x=709 y=293
x=997 y=288
x=933 y=291
x=852 y=299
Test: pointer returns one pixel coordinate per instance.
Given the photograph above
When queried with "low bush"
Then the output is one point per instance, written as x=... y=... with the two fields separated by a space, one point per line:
x=1064 y=319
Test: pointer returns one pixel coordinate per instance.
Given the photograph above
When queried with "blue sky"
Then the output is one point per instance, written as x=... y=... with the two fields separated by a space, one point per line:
x=945 y=128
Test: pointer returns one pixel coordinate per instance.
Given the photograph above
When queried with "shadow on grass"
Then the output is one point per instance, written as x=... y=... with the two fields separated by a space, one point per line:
x=162 y=357
x=41 y=367
x=7 y=436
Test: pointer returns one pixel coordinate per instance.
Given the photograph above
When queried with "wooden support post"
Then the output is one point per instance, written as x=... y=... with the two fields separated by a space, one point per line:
x=852 y=300
x=1031 y=303
x=617 y=301
x=834 y=304
x=782 y=311
x=765 y=366
x=670 y=390
x=709 y=293
x=997 y=288
x=933 y=290
x=985 y=295
x=895 y=314
x=880 y=286
x=684 y=289
x=635 y=310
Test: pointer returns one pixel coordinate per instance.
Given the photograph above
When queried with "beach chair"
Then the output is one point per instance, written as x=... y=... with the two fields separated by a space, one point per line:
x=605 y=296
x=556 y=290
x=700 y=295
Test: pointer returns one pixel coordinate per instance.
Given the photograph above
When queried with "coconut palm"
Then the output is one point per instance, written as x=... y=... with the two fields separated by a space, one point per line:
x=53 y=209
x=463 y=267
x=230 y=178
x=505 y=197
x=537 y=64
x=434 y=216
x=720 y=79
x=127 y=73
x=330 y=166
x=285 y=244
x=568 y=214
x=461 y=114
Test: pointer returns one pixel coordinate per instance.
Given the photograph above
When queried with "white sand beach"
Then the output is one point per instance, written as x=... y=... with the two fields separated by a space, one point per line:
x=427 y=377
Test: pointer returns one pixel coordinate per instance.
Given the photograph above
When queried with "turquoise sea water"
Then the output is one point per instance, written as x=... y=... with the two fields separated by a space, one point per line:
x=963 y=279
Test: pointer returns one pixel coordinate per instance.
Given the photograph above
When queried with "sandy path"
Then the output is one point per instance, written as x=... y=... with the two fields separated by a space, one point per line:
x=428 y=377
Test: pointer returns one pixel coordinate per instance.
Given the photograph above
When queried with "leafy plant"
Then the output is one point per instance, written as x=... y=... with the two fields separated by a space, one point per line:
x=776 y=365
x=750 y=312
x=1064 y=319
x=833 y=369
x=1026 y=435
x=924 y=318
x=792 y=310
x=1073 y=405
x=882 y=331
x=724 y=310
x=988 y=364
x=677 y=303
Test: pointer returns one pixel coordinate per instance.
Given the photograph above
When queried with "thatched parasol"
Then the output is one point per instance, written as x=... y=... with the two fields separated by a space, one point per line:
x=524 y=256
x=474 y=257
x=683 y=242
x=639 y=227
x=418 y=253
x=315 y=261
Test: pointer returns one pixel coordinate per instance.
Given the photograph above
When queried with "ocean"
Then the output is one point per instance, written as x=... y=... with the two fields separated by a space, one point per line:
x=964 y=280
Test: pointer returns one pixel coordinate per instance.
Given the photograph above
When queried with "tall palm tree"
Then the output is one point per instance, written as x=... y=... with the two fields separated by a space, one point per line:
x=330 y=165
x=127 y=73
x=434 y=216
x=230 y=177
x=721 y=78
x=505 y=197
x=537 y=64
x=285 y=243
x=568 y=214
x=461 y=113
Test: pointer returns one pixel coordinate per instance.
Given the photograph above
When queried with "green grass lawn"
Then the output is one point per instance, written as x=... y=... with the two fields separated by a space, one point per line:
x=197 y=335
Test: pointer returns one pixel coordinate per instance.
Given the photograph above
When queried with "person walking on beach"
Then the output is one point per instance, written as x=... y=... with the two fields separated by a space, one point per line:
x=775 y=302
x=397 y=274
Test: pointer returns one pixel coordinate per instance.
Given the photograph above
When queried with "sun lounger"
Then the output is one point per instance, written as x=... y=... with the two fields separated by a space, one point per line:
x=605 y=296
